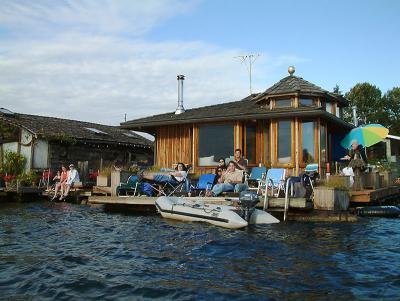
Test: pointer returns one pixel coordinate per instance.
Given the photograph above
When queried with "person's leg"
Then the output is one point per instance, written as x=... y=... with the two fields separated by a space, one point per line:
x=68 y=187
x=240 y=187
x=217 y=189
x=227 y=187
x=222 y=187
x=56 y=189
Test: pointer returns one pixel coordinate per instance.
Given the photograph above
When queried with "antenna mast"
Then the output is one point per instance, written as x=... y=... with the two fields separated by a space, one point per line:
x=248 y=60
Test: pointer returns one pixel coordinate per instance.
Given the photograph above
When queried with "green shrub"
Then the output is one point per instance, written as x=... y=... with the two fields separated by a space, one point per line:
x=13 y=163
x=28 y=179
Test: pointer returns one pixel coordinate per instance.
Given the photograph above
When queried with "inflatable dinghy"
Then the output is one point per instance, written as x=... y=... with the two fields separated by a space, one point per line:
x=219 y=215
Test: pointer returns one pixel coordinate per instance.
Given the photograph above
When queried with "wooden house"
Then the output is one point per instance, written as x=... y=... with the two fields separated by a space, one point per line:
x=48 y=142
x=290 y=124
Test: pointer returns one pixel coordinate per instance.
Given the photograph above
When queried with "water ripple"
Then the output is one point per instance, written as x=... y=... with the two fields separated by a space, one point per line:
x=59 y=251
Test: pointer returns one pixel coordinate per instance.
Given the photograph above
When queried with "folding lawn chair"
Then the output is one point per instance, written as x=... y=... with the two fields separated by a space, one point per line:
x=257 y=177
x=204 y=184
x=275 y=180
x=130 y=188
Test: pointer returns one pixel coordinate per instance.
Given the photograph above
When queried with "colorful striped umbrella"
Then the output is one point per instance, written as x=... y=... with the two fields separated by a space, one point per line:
x=366 y=135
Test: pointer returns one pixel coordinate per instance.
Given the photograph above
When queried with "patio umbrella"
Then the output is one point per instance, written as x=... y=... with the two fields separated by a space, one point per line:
x=366 y=135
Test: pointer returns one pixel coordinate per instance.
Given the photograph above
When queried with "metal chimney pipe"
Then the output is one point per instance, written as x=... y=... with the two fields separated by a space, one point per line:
x=355 y=119
x=180 y=109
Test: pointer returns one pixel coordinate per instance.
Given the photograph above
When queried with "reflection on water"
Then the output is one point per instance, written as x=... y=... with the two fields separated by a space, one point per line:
x=62 y=251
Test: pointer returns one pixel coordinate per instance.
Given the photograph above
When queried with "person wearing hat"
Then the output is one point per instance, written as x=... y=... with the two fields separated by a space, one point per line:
x=73 y=177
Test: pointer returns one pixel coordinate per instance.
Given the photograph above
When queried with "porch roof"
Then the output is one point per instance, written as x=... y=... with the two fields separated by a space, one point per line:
x=52 y=128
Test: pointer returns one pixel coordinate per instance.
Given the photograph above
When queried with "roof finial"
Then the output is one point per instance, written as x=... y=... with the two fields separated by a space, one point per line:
x=291 y=70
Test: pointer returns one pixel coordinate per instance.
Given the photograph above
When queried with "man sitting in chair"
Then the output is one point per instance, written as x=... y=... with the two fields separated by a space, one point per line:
x=172 y=177
x=231 y=180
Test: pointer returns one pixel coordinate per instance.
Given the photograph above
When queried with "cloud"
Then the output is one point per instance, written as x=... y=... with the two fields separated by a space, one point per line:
x=96 y=16
x=101 y=76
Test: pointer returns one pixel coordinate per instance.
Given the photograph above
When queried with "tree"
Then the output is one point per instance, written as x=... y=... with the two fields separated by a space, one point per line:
x=391 y=101
x=336 y=90
x=369 y=103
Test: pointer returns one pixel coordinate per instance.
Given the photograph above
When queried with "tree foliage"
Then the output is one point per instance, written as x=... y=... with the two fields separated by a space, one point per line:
x=373 y=107
x=368 y=100
x=391 y=101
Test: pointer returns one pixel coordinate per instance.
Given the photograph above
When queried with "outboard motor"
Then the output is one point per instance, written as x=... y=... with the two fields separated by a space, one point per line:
x=247 y=201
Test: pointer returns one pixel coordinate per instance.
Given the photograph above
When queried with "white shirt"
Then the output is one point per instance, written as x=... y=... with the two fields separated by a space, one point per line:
x=183 y=173
x=73 y=176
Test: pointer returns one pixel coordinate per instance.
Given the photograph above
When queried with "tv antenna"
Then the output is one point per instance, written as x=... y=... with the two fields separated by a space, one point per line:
x=248 y=60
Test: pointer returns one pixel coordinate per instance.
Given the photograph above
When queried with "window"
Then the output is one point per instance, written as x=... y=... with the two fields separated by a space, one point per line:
x=329 y=107
x=338 y=111
x=215 y=141
x=284 y=141
x=306 y=102
x=323 y=144
x=250 y=142
x=282 y=103
x=308 y=141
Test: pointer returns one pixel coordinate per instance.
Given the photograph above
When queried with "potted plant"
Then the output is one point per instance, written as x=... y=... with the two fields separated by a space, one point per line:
x=332 y=195
x=104 y=177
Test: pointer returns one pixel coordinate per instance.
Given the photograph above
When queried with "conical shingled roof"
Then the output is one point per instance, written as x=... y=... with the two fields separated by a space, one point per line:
x=294 y=84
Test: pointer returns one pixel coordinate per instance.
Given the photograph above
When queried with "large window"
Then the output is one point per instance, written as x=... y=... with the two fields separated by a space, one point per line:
x=283 y=103
x=284 y=141
x=215 y=141
x=307 y=141
x=250 y=140
x=329 y=107
x=323 y=143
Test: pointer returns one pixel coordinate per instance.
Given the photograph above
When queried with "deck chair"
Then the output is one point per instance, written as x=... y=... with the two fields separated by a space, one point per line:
x=46 y=179
x=204 y=184
x=256 y=177
x=130 y=188
x=275 y=180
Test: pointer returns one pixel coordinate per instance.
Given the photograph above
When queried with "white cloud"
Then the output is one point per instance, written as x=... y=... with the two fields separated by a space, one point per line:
x=100 y=76
x=104 y=16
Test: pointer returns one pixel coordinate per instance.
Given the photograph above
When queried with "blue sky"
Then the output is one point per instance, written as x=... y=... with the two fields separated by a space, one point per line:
x=97 y=60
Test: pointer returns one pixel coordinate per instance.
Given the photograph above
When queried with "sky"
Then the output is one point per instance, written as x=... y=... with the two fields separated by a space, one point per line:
x=102 y=60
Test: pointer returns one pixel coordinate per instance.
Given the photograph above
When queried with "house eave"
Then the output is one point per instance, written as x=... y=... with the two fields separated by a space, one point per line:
x=264 y=115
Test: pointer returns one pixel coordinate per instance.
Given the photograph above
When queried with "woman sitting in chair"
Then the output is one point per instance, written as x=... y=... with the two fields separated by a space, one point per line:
x=173 y=177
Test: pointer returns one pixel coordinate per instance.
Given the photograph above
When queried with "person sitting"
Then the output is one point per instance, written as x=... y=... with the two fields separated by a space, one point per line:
x=221 y=164
x=61 y=179
x=230 y=180
x=172 y=177
x=240 y=163
x=73 y=177
x=218 y=172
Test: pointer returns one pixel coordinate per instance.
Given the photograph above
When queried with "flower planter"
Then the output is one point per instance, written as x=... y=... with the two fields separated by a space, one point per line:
x=386 y=178
x=103 y=181
x=330 y=198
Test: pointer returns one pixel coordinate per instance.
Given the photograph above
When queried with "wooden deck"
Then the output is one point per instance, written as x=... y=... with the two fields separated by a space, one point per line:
x=371 y=196
x=274 y=203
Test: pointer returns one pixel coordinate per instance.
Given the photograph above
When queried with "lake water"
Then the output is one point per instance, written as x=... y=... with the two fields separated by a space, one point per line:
x=61 y=251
